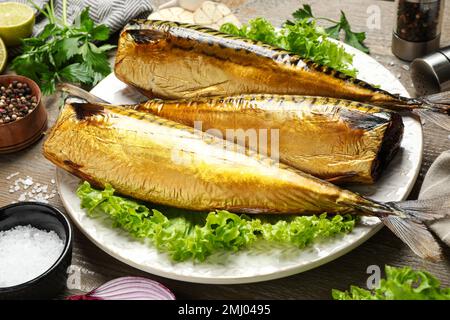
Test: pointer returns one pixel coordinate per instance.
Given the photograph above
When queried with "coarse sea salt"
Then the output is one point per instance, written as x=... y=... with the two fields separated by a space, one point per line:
x=30 y=190
x=27 y=252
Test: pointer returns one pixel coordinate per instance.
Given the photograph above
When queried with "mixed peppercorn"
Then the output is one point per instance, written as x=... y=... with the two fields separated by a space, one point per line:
x=418 y=20
x=16 y=101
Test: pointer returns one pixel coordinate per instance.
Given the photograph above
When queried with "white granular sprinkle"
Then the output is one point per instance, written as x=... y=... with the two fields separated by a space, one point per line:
x=34 y=191
x=26 y=253
x=28 y=181
x=12 y=175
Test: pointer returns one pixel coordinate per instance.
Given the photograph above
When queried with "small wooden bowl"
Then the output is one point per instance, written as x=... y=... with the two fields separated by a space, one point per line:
x=19 y=134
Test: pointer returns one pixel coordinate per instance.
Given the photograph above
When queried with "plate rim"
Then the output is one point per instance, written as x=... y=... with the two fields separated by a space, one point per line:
x=225 y=279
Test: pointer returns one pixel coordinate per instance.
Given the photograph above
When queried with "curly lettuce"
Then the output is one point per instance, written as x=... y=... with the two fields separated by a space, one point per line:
x=399 y=284
x=303 y=37
x=185 y=235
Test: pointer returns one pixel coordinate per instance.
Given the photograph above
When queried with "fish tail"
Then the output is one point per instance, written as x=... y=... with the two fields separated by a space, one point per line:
x=80 y=93
x=435 y=108
x=411 y=220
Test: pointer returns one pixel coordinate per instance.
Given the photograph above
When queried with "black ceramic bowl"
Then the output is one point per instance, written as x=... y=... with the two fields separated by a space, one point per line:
x=44 y=217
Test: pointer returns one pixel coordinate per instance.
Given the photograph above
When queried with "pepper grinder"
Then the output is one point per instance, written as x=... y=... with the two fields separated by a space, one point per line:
x=417 y=31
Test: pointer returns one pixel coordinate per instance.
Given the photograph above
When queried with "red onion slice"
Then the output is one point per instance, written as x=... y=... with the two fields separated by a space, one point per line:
x=128 y=288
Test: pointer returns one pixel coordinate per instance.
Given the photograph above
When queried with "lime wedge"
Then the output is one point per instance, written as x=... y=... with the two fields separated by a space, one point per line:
x=16 y=22
x=3 y=56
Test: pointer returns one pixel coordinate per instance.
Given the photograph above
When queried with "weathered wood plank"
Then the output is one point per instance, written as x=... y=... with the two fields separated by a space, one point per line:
x=383 y=248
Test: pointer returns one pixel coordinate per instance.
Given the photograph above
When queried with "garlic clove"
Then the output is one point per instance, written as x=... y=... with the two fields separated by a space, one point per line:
x=200 y=17
x=190 y=5
x=224 y=10
x=186 y=17
x=166 y=14
x=229 y=19
x=176 y=11
x=209 y=8
x=217 y=15
x=155 y=16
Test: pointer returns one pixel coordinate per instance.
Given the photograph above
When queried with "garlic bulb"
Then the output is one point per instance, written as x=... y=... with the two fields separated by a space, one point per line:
x=173 y=14
x=190 y=5
x=209 y=13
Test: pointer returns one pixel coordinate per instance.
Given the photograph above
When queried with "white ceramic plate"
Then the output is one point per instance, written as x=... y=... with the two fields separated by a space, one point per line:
x=262 y=261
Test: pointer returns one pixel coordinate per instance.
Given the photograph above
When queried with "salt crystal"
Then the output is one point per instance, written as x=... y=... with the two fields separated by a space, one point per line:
x=392 y=63
x=37 y=191
x=26 y=253
x=405 y=67
x=399 y=76
x=12 y=175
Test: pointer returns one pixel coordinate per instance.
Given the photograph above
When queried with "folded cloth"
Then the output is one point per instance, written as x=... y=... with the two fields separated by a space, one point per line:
x=114 y=13
x=436 y=183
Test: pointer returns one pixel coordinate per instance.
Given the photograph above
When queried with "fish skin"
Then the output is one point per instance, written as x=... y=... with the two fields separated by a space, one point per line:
x=332 y=139
x=171 y=60
x=134 y=153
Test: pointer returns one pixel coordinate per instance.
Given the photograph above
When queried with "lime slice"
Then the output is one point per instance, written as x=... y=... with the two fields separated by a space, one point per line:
x=16 y=22
x=3 y=56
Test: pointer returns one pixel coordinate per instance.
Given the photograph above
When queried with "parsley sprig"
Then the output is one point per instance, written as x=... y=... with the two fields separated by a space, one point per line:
x=63 y=52
x=303 y=37
x=355 y=39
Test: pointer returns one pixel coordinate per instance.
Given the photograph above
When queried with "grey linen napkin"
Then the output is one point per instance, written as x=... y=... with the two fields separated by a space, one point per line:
x=436 y=183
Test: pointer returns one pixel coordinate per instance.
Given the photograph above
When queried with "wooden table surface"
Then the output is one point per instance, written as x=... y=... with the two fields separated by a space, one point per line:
x=96 y=267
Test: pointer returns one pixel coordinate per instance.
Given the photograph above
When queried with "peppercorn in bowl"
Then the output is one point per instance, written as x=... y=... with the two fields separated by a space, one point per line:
x=23 y=118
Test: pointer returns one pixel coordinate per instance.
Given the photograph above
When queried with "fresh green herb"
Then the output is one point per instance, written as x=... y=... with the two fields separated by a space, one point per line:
x=63 y=52
x=400 y=284
x=355 y=39
x=302 y=37
x=198 y=235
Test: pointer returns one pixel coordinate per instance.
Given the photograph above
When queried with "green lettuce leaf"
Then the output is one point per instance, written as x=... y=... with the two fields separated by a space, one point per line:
x=399 y=284
x=302 y=37
x=188 y=235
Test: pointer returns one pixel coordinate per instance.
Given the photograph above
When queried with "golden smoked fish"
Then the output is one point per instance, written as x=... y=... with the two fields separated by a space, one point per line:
x=333 y=139
x=157 y=160
x=170 y=60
